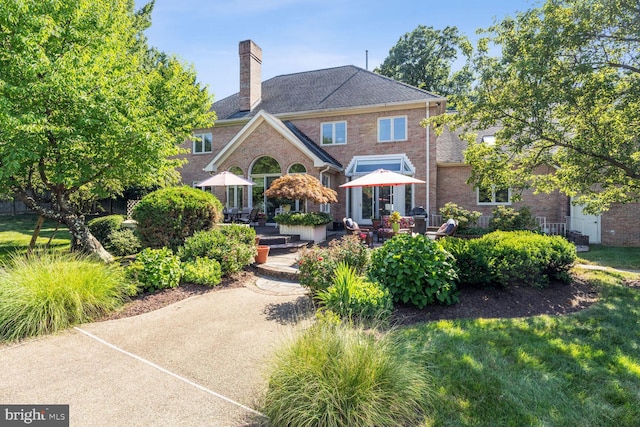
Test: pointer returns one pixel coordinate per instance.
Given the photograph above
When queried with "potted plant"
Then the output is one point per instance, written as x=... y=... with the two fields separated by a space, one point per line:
x=394 y=220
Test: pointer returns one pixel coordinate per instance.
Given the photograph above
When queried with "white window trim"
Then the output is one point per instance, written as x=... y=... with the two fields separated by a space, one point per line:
x=333 y=133
x=326 y=207
x=391 y=121
x=200 y=135
x=493 y=198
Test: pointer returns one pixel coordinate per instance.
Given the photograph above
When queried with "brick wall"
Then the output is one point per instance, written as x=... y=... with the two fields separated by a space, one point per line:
x=620 y=226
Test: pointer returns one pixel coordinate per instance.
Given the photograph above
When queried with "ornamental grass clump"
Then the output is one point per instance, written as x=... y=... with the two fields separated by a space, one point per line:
x=48 y=292
x=337 y=375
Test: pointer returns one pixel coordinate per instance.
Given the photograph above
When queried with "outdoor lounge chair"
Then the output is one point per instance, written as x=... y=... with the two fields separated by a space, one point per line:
x=365 y=234
x=449 y=228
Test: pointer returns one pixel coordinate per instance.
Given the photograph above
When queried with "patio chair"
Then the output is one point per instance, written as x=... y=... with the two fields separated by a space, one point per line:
x=352 y=228
x=251 y=217
x=449 y=228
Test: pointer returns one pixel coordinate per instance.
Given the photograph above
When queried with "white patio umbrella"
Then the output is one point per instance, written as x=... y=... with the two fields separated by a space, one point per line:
x=224 y=179
x=382 y=178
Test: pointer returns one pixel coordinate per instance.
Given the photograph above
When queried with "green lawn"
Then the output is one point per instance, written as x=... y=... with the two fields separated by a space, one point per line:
x=16 y=232
x=627 y=258
x=577 y=370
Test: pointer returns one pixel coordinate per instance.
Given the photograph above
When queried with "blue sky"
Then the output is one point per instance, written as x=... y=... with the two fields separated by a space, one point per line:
x=303 y=35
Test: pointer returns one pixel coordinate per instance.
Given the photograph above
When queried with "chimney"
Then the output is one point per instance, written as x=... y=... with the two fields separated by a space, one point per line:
x=250 y=75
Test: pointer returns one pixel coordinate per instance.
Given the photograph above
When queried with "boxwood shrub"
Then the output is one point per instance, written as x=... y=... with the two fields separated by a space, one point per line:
x=168 y=216
x=103 y=226
x=504 y=258
x=416 y=270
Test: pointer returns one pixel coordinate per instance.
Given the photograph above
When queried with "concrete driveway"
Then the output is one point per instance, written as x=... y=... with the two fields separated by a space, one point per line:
x=198 y=362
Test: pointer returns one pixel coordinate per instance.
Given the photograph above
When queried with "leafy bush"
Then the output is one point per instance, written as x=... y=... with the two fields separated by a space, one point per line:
x=299 y=218
x=340 y=376
x=103 y=226
x=155 y=269
x=416 y=270
x=354 y=298
x=524 y=257
x=464 y=217
x=317 y=264
x=201 y=271
x=504 y=258
x=508 y=219
x=123 y=242
x=48 y=292
x=168 y=216
x=233 y=246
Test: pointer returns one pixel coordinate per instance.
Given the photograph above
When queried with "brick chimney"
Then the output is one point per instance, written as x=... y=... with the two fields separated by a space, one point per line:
x=250 y=75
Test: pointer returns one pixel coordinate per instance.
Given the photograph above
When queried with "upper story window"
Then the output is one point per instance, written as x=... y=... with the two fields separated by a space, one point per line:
x=494 y=196
x=202 y=143
x=334 y=133
x=392 y=129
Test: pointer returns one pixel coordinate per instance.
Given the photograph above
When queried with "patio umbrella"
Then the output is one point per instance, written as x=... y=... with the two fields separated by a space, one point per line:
x=382 y=178
x=224 y=179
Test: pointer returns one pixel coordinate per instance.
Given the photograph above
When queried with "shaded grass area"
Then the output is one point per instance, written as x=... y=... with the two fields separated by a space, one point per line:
x=16 y=232
x=582 y=369
x=627 y=258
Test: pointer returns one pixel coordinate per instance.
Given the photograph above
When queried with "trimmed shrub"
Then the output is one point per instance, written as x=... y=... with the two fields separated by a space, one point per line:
x=155 y=269
x=301 y=218
x=48 y=292
x=504 y=258
x=201 y=271
x=123 y=242
x=471 y=260
x=353 y=297
x=103 y=226
x=317 y=264
x=416 y=270
x=340 y=376
x=168 y=216
x=233 y=246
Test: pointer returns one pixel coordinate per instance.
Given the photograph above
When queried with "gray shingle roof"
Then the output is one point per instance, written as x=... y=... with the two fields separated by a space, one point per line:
x=450 y=148
x=318 y=151
x=331 y=88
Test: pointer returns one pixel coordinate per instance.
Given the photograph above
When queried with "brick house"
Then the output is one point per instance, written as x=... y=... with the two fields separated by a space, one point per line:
x=335 y=124
x=340 y=123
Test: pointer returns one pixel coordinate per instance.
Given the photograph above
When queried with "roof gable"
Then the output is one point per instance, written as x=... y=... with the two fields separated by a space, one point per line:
x=331 y=88
x=289 y=132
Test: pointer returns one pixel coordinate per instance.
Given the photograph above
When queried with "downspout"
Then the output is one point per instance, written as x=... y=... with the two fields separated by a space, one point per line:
x=428 y=156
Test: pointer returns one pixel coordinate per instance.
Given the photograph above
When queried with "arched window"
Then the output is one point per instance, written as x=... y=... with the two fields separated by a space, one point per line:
x=264 y=171
x=297 y=168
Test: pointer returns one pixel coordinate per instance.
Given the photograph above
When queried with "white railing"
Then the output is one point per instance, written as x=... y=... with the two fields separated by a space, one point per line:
x=553 y=228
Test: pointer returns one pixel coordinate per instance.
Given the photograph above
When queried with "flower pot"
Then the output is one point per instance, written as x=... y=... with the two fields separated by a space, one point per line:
x=263 y=253
x=395 y=227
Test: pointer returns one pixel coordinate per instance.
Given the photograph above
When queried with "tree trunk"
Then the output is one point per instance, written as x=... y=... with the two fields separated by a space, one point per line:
x=36 y=233
x=81 y=238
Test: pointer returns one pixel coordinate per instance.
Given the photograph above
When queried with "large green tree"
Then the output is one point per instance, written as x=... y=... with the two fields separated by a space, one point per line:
x=424 y=58
x=567 y=92
x=86 y=108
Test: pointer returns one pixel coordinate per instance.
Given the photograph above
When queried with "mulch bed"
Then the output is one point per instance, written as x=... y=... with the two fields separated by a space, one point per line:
x=517 y=301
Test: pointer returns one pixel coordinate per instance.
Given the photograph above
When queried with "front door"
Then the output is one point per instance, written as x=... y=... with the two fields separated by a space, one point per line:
x=588 y=225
